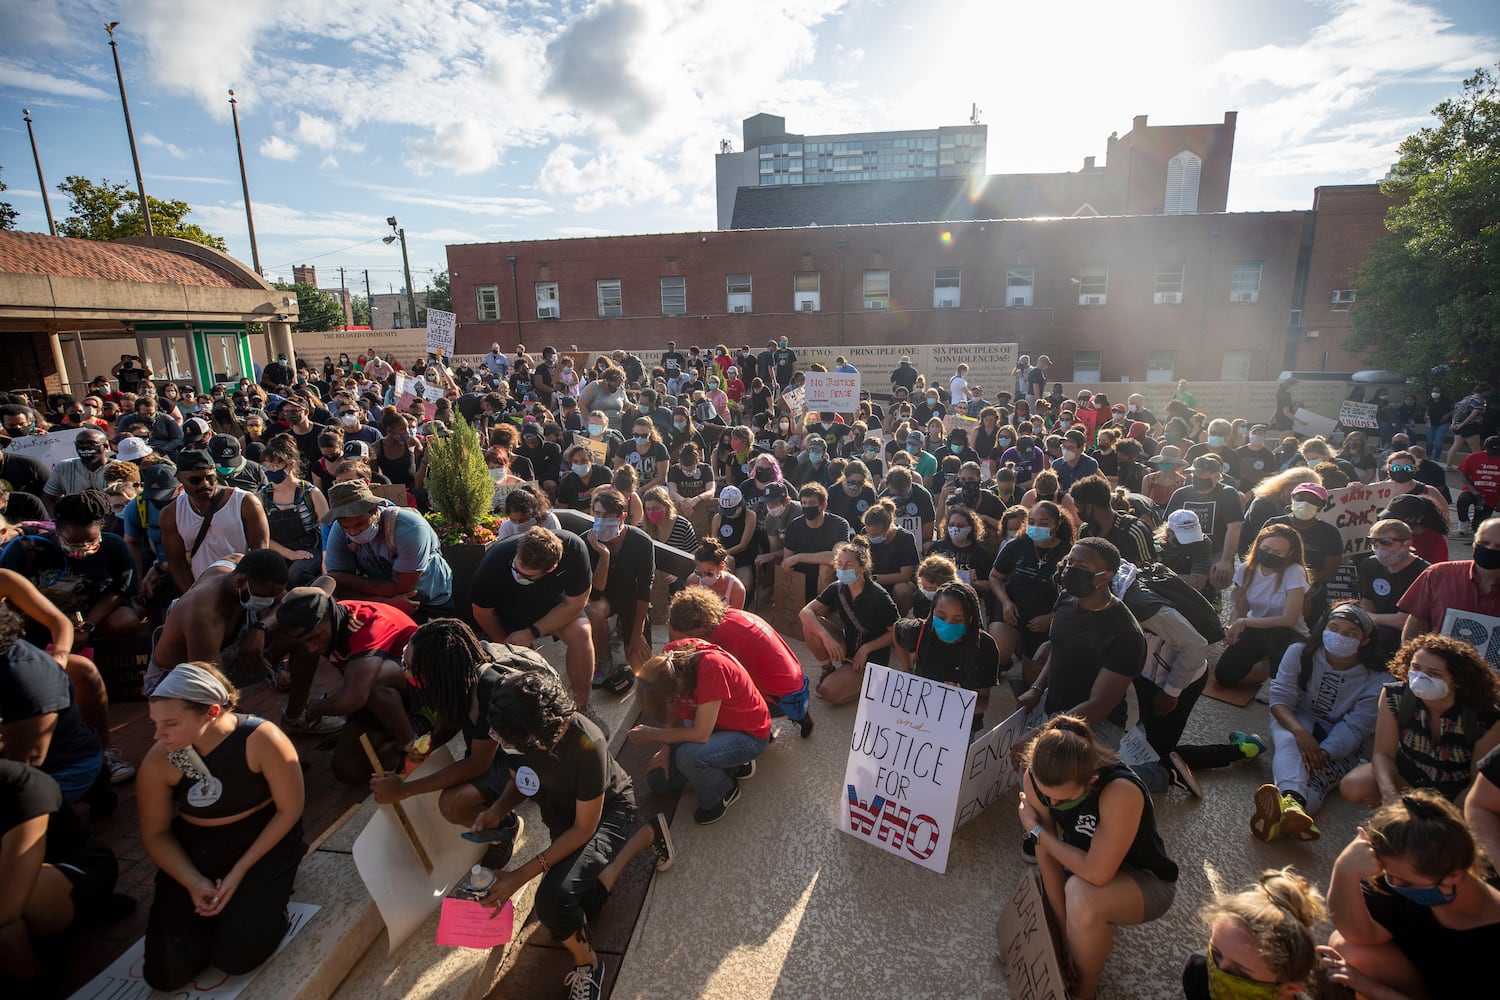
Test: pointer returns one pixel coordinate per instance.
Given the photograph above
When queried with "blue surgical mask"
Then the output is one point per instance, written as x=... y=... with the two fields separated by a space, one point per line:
x=1425 y=895
x=642 y=439
x=606 y=529
x=955 y=448
x=846 y=576
x=815 y=457
x=1339 y=645
x=1216 y=440
x=1038 y=532
x=257 y=604
x=950 y=631
x=581 y=471
x=368 y=535
x=596 y=430
x=914 y=449
x=680 y=424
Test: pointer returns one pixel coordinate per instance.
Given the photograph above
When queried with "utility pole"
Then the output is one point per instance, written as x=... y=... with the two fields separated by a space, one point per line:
x=234 y=111
x=46 y=201
x=398 y=233
x=344 y=300
x=140 y=183
x=369 y=299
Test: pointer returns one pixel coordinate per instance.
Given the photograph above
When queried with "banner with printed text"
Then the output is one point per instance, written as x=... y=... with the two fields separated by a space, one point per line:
x=831 y=392
x=1359 y=416
x=1355 y=510
x=1480 y=631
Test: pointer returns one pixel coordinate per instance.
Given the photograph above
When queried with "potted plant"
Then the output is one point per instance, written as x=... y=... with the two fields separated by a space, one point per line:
x=463 y=494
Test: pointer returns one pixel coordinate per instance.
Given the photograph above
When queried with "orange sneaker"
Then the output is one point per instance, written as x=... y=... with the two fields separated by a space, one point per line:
x=1266 y=822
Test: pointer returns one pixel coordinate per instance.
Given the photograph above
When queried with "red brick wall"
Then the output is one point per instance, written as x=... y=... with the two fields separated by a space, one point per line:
x=29 y=364
x=1348 y=219
x=1125 y=330
x=1139 y=158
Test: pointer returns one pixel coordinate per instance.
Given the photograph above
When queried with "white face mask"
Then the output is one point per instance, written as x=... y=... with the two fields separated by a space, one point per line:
x=1304 y=511
x=1426 y=686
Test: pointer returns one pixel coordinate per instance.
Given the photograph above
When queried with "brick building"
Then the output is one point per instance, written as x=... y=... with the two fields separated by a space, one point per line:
x=1209 y=297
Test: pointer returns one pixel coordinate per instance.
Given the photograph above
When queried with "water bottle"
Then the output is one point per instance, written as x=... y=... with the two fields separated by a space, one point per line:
x=478 y=882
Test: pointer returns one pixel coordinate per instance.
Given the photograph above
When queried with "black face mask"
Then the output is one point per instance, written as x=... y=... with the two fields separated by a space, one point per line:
x=811 y=510
x=1203 y=484
x=969 y=492
x=1486 y=558
x=764 y=475
x=1270 y=560
x=1404 y=477
x=1077 y=581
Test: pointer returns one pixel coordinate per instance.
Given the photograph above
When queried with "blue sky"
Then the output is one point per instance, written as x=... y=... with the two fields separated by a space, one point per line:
x=478 y=121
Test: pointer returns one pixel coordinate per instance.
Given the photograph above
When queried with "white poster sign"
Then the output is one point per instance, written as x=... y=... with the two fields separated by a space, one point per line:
x=988 y=770
x=906 y=760
x=49 y=449
x=440 y=332
x=832 y=392
x=1355 y=510
x=795 y=401
x=1358 y=415
x=1310 y=424
x=1480 y=631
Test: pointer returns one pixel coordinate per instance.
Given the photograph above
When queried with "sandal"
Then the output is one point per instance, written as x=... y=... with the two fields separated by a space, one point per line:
x=280 y=678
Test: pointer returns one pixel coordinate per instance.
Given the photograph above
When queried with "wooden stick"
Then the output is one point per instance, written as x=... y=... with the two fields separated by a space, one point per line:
x=411 y=833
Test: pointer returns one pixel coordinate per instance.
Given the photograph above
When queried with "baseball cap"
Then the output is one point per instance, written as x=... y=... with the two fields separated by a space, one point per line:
x=1313 y=488
x=159 y=482
x=355 y=449
x=1185 y=527
x=226 y=452
x=194 y=428
x=730 y=496
x=195 y=460
x=1207 y=463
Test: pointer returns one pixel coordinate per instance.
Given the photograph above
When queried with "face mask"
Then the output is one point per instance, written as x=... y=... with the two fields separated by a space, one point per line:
x=275 y=475
x=606 y=529
x=680 y=424
x=252 y=603
x=349 y=419
x=776 y=511
x=1070 y=454
x=1391 y=556
x=1038 y=532
x=914 y=449
x=88 y=454
x=1064 y=424
x=1402 y=475
x=368 y=535
x=1003 y=442
x=1425 y=895
x=846 y=576
x=656 y=516
x=581 y=471
x=949 y=631
x=642 y=439
x=1426 y=686
x=959 y=534
x=1228 y=986
x=853 y=488
x=1339 y=645
x=872 y=451
x=1203 y=484
x=1486 y=558
x=1436 y=395
x=1077 y=581
x=1216 y=440
x=876 y=539
x=815 y=457
x=1304 y=511
x=1066 y=804
x=783 y=343
x=1270 y=560
x=596 y=430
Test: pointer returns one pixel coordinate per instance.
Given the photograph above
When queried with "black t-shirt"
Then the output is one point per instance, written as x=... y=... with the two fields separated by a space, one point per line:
x=1319 y=540
x=973 y=560
x=913 y=510
x=518 y=605
x=1255 y=465
x=1029 y=573
x=802 y=537
x=896 y=550
x=72 y=584
x=1076 y=826
x=1085 y=642
x=25 y=507
x=23 y=474
x=32 y=684
x=850 y=508
x=574 y=494
x=1451 y=962
x=671 y=361
x=874 y=612
x=1380 y=586
x=545 y=458
x=579 y=769
x=949 y=662
x=690 y=484
x=785 y=361
x=631 y=569
x=646 y=465
x=1216 y=510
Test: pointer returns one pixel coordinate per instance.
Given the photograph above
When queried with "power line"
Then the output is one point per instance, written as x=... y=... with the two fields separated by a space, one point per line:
x=278 y=267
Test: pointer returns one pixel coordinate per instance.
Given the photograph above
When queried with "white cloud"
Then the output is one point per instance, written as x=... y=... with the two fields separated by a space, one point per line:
x=464 y=147
x=330 y=162
x=16 y=76
x=323 y=133
x=171 y=149
x=277 y=148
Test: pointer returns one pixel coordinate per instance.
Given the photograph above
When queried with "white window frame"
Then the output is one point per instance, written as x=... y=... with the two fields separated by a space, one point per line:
x=610 y=293
x=1020 y=284
x=807 y=291
x=674 y=296
x=738 y=289
x=1341 y=300
x=1093 y=285
x=1088 y=366
x=947 y=287
x=1183 y=173
x=1236 y=365
x=1169 y=281
x=1160 y=366
x=1244 y=281
x=487 y=302
x=876 y=288
x=548 y=303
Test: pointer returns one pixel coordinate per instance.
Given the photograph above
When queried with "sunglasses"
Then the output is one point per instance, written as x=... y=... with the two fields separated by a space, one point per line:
x=1402 y=468
x=206 y=477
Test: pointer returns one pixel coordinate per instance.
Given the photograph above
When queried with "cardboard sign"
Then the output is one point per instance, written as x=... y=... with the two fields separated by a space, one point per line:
x=467 y=923
x=1355 y=510
x=1358 y=415
x=832 y=392
x=49 y=449
x=988 y=771
x=599 y=448
x=794 y=401
x=906 y=760
x=1480 y=631
x=1026 y=950
x=440 y=330
x=957 y=421
x=1310 y=424
x=788 y=596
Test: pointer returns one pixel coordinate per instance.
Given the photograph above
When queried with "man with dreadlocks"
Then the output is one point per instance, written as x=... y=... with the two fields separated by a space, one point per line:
x=456 y=675
x=951 y=646
x=365 y=641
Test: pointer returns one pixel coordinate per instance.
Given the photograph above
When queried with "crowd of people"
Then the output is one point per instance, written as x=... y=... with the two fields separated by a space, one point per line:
x=1080 y=549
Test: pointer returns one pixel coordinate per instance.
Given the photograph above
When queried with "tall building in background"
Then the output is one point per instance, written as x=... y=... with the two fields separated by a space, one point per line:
x=772 y=157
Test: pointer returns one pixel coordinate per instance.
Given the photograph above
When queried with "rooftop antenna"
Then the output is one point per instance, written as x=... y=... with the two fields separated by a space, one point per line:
x=725 y=146
x=974 y=114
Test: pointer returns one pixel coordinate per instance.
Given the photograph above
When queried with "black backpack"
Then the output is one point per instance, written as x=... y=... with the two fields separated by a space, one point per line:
x=1166 y=585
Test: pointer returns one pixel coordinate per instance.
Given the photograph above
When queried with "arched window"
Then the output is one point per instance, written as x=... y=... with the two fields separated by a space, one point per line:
x=1182 y=184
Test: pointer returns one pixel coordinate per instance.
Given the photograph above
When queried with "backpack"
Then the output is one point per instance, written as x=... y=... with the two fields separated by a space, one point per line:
x=1166 y=585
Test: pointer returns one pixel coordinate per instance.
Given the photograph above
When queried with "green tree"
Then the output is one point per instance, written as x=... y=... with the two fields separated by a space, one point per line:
x=1426 y=291
x=359 y=306
x=439 y=295
x=108 y=211
x=315 y=310
x=7 y=211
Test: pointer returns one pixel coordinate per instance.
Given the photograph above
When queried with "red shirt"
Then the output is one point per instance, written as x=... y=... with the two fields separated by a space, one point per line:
x=1430 y=545
x=1484 y=472
x=382 y=629
x=722 y=679
x=1447 y=585
x=762 y=651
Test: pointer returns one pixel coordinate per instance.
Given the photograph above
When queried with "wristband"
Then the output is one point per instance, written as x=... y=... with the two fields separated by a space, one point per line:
x=536 y=633
x=542 y=860
x=1036 y=832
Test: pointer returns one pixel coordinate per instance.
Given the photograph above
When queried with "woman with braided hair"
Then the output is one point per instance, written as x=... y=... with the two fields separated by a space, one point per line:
x=951 y=646
x=1260 y=941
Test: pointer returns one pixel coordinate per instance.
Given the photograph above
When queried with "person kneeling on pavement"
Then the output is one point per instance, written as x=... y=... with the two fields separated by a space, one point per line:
x=722 y=724
x=557 y=757
x=952 y=647
x=624 y=563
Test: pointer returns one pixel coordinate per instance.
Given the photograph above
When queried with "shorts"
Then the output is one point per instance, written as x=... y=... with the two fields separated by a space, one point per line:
x=491 y=784
x=92 y=873
x=1156 y=891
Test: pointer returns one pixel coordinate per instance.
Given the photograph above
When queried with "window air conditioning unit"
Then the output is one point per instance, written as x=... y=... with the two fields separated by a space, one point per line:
x=874 y=303
x=807 y=306
x=1091 y=300
x=738 y=310
x=1169 y=298
x=546 y=312
x=1018 y=301
x=1243 y=297
x=947 y=304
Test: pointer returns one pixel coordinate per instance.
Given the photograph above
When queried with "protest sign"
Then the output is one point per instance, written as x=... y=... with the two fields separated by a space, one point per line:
x=957 y=421
x=1309 y=424
x=1357 y=415
x=404 y=893
x=831 y=392
x=599 y=448
x=1480 y=631
x=431 y=393
x=988 y=770
x=1027 y=952
x=467 y=923
x=911 y=737
x=49 y=449
x=440 y=330
x=1355 y=510
x=794 y=400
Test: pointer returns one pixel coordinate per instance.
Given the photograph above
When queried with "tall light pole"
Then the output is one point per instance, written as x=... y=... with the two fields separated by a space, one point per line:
x=135 y=158
x=46 y=201
x=400 y=234
x=234 y=112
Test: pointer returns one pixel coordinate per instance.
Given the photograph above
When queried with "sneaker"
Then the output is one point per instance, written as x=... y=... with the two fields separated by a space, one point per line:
x=1266 y=822
x=1295 y=822
x=601 y=671
x=806 y=725
x=714 y=813
x=119 y=768
x=1028 y=849
x=585 y=982
x=299 y=726
x=588 y=712
x=661 y=842
x=1251 y=745
x=745 y=771
x=498 y=854
x=1182 y=775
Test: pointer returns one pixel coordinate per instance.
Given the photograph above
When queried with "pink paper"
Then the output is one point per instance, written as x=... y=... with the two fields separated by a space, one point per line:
x=465 y=923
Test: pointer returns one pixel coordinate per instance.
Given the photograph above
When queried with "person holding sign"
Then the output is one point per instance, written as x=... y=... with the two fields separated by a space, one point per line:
x=860 y=634
x=951 y=646
x=1103 y=862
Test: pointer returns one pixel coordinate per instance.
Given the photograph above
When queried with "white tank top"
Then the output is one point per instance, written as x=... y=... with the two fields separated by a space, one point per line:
x=226 y=535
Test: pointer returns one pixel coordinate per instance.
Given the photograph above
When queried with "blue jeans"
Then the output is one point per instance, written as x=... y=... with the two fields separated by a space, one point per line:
x=1435 y=437
x=706 y=765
